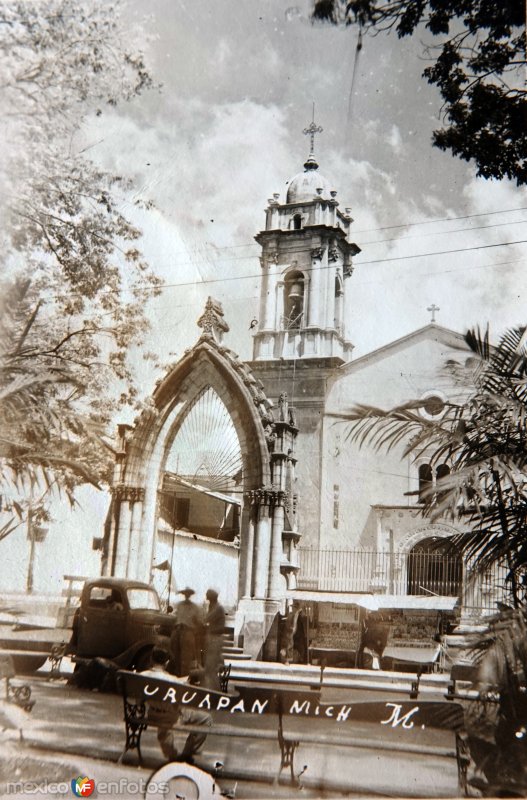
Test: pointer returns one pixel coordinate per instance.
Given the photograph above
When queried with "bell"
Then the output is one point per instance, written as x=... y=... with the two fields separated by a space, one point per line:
x=296 y=291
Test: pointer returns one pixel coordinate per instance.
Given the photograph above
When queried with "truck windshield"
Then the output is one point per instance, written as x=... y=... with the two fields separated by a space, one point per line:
x=143 y=598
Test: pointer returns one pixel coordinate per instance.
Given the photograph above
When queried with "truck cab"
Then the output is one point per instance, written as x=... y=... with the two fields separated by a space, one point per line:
x=120 y=620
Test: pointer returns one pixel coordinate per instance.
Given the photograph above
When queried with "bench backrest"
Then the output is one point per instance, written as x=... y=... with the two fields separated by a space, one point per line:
x=144 y=687
x=398 y=713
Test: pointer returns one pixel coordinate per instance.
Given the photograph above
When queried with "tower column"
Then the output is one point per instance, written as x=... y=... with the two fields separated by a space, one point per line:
x=315 y=288
x=346 y=307
x=279 y=304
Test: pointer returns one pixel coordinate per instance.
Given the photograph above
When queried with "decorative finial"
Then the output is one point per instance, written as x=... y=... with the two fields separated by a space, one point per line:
x=212 y=322
x=311 y=162
x=433 y=308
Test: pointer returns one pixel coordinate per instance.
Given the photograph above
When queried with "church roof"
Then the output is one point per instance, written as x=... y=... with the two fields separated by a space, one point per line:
x=432 y=331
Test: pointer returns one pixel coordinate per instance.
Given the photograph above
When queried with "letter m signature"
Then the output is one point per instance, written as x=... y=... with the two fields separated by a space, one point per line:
x=396 y=718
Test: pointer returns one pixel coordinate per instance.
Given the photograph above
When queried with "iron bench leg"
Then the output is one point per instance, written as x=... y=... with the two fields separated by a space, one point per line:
x=134 y=717
x=58 y=651
x=19 y=695
x=287 y=753
x=463 y=761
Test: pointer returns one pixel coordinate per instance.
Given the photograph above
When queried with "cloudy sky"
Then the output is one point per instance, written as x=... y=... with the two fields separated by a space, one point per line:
x=225 y=132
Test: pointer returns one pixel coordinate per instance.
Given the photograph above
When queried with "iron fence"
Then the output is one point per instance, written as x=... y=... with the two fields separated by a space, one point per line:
x=414 y=573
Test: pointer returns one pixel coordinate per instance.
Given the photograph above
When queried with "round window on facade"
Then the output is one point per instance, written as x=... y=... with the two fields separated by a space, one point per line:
x=433 y=405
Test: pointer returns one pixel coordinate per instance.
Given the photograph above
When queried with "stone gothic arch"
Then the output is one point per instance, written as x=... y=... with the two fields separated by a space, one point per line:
x=266 y=446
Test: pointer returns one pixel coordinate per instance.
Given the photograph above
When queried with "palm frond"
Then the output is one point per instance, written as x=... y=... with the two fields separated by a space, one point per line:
x=482 y=438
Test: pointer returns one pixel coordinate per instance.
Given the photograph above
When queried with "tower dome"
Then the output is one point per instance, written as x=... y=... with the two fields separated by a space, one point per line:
x=306 y=185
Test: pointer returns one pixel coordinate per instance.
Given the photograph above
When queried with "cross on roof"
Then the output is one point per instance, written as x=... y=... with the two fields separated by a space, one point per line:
x=433 y=308
x=311 y=130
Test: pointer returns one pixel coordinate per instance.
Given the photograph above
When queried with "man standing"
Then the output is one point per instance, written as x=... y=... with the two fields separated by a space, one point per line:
x=167 y=717
x=214 y=630
x=185 y=642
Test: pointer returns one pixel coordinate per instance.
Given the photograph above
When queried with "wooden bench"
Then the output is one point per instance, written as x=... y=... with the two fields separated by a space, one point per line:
x=460 y=673
x=17 y=694
x=137 y=688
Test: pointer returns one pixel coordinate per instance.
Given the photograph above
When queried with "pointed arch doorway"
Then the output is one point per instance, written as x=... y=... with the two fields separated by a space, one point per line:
x=207 y=469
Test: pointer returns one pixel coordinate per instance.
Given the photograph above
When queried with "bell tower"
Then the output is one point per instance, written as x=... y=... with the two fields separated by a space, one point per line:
x=306 y=263
x=301 y=338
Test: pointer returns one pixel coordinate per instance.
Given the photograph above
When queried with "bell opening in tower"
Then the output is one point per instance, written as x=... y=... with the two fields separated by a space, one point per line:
x=294 y=301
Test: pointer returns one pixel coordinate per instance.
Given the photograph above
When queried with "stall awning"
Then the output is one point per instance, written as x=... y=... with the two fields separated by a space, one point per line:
x=415 y=655
x=376 y=602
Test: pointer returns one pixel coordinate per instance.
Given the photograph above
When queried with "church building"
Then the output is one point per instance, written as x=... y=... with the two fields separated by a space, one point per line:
x=244 y=477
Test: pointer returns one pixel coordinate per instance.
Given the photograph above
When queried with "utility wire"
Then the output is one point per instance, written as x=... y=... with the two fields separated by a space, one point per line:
x=357 y=263
x=442 y=219
x=442 y=252
x=211 y=255
x=378 y=241
x=255 y=276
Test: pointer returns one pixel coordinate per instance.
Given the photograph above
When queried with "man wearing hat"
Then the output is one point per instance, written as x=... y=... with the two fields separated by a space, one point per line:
x=214 y=630
x=185 y=643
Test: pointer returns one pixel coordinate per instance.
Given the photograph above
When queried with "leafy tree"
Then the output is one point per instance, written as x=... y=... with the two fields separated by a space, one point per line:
x=478 y=68
x=483 y=439
x=75 y=285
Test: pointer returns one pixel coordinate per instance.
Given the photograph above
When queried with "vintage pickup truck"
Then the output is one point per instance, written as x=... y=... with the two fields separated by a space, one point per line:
x=117 y=619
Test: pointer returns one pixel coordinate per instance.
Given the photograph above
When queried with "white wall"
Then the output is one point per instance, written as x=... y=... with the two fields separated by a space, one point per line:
x=200 y=563
x=67 y=549
x=367 y=477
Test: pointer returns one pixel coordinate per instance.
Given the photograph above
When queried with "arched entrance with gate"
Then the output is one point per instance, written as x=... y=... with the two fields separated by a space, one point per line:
x=208 y=464
x=434 y=567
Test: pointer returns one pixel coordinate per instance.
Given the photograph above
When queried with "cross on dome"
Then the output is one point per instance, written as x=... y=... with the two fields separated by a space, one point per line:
x=311 y=131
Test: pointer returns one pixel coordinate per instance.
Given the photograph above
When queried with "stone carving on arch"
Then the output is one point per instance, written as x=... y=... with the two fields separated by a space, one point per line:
x=425 y=531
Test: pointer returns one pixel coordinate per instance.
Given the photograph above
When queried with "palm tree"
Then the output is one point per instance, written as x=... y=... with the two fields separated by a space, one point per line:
x=482 y=439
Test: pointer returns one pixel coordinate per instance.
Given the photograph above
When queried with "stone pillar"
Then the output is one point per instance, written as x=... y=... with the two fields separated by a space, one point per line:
x=130 y=499
x=262 y=547
x=123 y=540
x=380 y=577
x=275 y=582
x=148 y=533
x=247 y=554
x=134 y=570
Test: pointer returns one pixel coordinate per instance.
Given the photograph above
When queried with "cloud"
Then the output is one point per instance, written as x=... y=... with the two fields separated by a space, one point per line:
x=394 y=140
